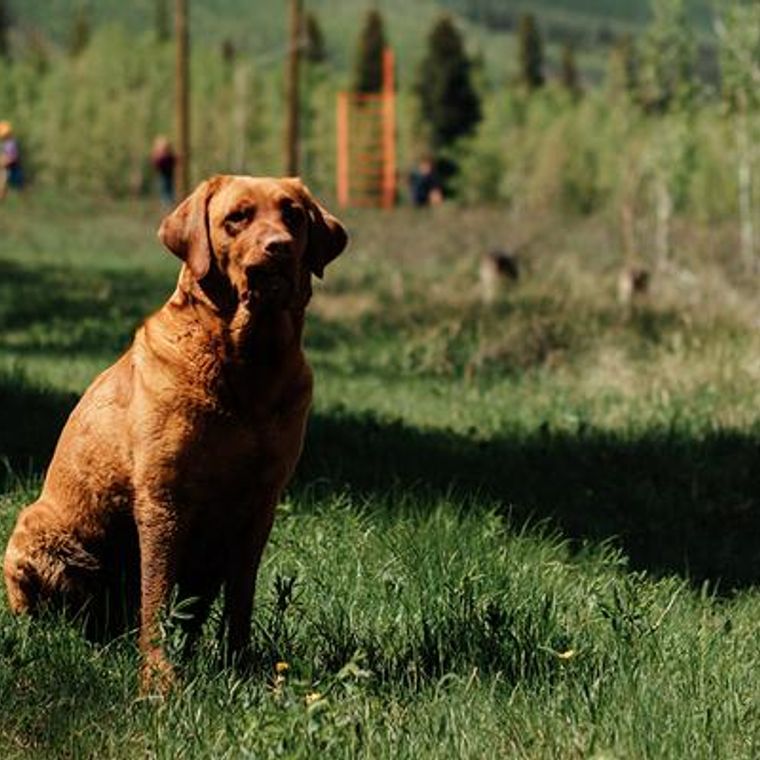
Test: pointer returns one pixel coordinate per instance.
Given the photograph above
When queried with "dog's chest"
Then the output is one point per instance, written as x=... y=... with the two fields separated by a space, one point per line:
x=237 y=452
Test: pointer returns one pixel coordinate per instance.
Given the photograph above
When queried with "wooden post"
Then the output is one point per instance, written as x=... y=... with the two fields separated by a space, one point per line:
x=291 y=131
x=182 y=100
x=389 y=130
x=342 y=158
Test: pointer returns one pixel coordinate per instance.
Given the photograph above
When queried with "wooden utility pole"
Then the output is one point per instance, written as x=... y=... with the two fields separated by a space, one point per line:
x=182 y=99
x=291 y=131
x=389 y=129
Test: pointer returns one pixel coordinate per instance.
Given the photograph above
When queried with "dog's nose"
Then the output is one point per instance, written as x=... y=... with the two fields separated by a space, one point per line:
x=278 y=247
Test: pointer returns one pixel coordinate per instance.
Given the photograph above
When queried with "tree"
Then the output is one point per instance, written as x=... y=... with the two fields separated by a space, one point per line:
x=623 y=69
x=739 y=37
x=5 y=23
x=569 y=71
x=228 y=52
x=315 y=41
x=368 y=73
x=80 y=32
x=667 y=88
x=449 y=104
x=668 y=58
x=162 y=20
x=531 y=48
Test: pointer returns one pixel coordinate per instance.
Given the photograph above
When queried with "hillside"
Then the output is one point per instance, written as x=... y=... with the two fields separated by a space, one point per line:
x=259 y=28
x=501 y=13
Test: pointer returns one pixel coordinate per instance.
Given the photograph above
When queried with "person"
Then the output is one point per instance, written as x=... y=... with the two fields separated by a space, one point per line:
x=425 y=186
x=10 y=160
x=164 y=159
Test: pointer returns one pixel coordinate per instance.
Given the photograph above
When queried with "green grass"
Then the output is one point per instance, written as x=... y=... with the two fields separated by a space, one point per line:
x=528 y=530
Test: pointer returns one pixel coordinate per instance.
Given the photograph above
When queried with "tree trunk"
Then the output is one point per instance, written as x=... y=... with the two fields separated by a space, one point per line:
x=744 y=155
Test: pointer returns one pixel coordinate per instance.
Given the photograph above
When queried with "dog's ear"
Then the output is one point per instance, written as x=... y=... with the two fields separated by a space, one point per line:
x=327 y=236
x=185 y=232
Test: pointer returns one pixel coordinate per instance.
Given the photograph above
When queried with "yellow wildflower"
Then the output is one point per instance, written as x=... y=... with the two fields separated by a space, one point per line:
x=313 y=697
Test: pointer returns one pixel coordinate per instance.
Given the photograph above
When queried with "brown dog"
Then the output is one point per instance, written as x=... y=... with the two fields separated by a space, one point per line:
x=169 y=469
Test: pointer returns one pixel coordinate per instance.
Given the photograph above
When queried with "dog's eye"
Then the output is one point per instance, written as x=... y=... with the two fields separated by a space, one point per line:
x=292 y=215
x=240 y=215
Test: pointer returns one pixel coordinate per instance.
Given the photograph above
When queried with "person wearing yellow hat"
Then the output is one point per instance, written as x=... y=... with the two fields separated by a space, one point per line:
x=11 y=175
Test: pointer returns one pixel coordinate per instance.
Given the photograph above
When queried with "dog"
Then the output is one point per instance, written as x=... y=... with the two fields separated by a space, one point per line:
x=167 y=473
x=497 y=267
x=633 y=285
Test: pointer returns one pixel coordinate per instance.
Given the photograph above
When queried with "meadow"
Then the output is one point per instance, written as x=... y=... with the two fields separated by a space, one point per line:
x=528 y=529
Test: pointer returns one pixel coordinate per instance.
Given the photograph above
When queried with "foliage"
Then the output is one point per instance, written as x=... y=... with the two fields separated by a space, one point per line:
x=368 y=69
x=667 y=58
x=740 y=54
x=315 y=42
x=162 y=20
x=71 y=118
x=569 y=73
x=88 y=123
x=449 y=105
x=623 y=69
x=5 y=24
x=531 y=53
x=80 y=30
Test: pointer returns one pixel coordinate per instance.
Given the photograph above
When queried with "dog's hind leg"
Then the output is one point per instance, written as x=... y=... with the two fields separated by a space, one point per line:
x=45 y=565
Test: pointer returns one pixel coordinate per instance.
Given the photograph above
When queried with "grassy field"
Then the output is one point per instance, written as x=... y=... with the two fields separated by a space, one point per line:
x=528 y=530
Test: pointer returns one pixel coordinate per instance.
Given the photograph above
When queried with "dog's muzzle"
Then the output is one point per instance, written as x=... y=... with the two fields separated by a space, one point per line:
x=268 y=286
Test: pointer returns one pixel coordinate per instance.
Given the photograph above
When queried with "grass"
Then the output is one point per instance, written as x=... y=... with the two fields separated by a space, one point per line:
x=527 y=530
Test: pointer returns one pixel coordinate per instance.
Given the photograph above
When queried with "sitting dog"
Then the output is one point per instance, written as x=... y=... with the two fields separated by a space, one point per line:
x=168 y=471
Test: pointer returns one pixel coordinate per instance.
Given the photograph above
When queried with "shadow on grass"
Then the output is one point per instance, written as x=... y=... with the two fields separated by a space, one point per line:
x=32 y=419
x=60 y=310
x=674 y=504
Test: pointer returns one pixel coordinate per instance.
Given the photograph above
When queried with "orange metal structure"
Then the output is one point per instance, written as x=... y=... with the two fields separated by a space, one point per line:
x=366 y=133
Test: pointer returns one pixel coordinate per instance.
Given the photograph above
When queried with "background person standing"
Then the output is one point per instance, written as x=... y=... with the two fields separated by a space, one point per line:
x=164 y=159
x=10 y=160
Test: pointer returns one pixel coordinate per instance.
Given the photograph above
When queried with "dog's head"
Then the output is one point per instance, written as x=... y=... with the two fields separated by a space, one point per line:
x=265 y=236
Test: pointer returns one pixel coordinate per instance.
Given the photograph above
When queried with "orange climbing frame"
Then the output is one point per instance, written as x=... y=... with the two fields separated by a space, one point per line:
x=366 y=133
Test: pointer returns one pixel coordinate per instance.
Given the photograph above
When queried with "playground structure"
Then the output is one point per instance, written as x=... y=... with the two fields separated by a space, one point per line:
x=366 y=149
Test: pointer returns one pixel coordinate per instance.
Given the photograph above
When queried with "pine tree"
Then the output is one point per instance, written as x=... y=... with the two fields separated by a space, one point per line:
x=79 y=34
x=162 y=20
x=368 y=73
x=569 y=72
x=531 y=53
x=315 y=51
x=449 y=104
x=5 y=23
x=228 y=52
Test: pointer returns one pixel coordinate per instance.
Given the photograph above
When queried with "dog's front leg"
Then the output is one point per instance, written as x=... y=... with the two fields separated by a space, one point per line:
x=159 y=533
x=240 y=578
